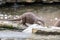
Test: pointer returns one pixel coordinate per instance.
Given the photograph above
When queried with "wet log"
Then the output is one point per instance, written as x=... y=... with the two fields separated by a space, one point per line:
x=47 y=31
x=6 y=25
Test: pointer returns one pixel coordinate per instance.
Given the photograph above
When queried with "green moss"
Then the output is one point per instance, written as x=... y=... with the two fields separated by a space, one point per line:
x=8 y=27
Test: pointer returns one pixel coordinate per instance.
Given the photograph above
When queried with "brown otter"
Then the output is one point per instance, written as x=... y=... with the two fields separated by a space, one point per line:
x=57 y=24
x=30 y=18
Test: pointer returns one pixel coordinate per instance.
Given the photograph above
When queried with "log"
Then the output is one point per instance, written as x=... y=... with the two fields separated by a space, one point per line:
x=38 y=29
x=7 y=25
x=47 y=30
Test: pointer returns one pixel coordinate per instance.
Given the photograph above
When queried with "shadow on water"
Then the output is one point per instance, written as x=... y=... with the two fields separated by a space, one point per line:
x=27 y=4
x=47 y=33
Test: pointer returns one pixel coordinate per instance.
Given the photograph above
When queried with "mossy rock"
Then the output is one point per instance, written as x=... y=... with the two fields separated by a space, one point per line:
x=8 y=26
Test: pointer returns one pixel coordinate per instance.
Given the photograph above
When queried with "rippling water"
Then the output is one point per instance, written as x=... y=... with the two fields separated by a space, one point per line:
x=14 y=35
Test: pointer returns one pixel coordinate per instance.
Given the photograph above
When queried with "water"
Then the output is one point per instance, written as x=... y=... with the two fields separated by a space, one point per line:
x=14 y=35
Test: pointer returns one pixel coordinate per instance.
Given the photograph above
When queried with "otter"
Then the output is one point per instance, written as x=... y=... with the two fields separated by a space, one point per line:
x=57 y=24
x=30 y=18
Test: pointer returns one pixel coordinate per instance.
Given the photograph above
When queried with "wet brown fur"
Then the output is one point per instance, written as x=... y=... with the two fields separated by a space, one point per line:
x=30 y=18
